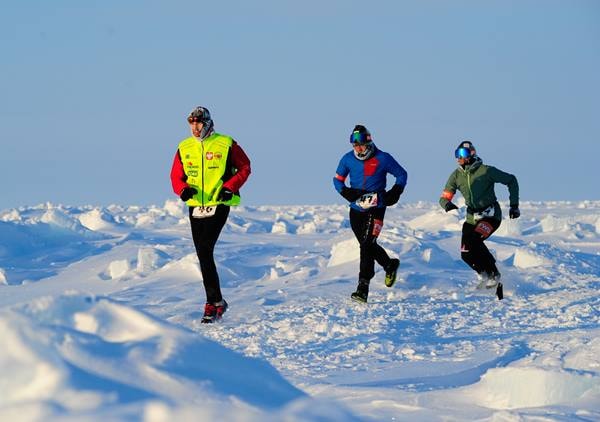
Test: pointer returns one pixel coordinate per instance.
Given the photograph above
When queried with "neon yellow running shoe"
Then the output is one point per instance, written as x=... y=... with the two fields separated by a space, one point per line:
x=391 y=271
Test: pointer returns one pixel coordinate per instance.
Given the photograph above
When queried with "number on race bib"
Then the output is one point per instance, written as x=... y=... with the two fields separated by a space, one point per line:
x=203 y=212
x=368 y=200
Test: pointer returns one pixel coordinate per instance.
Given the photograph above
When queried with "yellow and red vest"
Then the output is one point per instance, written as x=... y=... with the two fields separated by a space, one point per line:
x=204 y=164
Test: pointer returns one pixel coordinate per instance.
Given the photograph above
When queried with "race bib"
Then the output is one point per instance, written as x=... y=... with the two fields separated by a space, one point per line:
x=368 y=200
x=203 y=212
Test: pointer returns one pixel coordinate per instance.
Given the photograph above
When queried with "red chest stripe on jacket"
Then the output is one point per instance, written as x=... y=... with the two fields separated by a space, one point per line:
x=371 y=166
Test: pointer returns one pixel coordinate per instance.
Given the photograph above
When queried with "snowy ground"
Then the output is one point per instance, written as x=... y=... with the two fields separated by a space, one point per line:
x=100 y=310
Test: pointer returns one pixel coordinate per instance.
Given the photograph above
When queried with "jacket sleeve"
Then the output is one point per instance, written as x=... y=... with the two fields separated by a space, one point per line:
x=398 y=172
x=449 y=190
x=240 y=162
x=178 y=177
x=498 y=176
x=339 y=180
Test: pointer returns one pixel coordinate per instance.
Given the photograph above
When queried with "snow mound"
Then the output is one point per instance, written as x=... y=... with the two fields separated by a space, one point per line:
x=307 y=228
x=585 y=357
x=279 y=227
x=435 y=256
x=344 y=251
x=153 y=216
x=80 y=353
x=517 y=388
x=436 y=221
x=115 y=323
x=57 y=218
x=29 y=370
x=3 y=279
x=10 y=215
x=150 y=259
x=509 y=227
x=118 y=268
x=527 y=259
x=96 y=219
x=175 y=208
x=551 y=224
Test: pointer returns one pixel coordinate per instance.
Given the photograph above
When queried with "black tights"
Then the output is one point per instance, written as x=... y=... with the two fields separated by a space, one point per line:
x=205 y=232
x=366 y=227
x=473 y=251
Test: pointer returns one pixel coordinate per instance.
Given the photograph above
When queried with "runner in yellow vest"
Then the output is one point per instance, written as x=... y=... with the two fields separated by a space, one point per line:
x=208 y=170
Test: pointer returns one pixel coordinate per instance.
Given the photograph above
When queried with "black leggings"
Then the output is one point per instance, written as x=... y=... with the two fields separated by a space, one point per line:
x=205 y=232
x=473 y=251
x=366 y=227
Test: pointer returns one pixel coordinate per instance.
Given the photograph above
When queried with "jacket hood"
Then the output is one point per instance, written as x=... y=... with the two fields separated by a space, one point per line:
x=371 y=151
x=470 y=168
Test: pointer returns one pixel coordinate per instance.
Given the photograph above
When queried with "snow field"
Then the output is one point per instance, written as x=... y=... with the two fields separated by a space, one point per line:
x=101 y=306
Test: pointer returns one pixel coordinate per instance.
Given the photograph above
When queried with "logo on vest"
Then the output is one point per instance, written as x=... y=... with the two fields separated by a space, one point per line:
x=218 y=155
x=209 y=155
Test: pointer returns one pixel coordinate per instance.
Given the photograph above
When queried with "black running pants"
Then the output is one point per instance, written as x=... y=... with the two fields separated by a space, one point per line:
x=366 y=226
x=205 y=232
x=473 y=251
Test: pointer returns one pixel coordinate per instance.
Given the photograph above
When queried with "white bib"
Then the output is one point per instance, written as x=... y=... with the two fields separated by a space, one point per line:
x=203 y=212
x=488 y=212
x=368 y=200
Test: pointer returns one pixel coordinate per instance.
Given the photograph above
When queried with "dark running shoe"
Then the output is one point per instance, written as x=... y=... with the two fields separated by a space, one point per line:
x=391 y=272
x=214 y=311
x=362 y=292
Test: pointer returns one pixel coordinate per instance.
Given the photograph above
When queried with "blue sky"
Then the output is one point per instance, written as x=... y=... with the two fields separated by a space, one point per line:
x=95 y=94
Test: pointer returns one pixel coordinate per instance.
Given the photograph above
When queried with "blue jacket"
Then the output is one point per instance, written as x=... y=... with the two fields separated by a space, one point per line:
x=368 y=175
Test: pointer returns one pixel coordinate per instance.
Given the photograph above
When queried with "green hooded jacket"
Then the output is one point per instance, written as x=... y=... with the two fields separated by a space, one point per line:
x=476 y=184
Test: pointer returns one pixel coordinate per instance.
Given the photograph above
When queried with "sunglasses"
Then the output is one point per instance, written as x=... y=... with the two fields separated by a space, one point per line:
x=462 y=152
x=360 y=138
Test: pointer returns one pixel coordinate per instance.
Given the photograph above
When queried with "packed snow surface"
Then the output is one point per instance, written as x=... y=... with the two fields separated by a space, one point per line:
x=100 y=313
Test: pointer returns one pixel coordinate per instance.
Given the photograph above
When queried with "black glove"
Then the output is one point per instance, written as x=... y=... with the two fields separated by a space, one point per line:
x=514 y=212
x=225 y=195
x=450 y=206
x=393 y=195
x=187 y=193
x=352 y=194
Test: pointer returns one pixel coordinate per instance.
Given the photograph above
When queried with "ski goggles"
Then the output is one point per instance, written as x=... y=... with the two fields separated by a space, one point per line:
x=360 y=138
x=462 y=152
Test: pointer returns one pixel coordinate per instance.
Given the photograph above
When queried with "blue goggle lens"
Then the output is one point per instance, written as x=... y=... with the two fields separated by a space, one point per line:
x=359 y=138
x=462 y=152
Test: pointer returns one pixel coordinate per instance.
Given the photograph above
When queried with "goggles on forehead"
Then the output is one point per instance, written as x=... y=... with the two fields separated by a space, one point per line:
x=196 y=119
x=462 y=152
x=199 y=114
x=360 y=138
